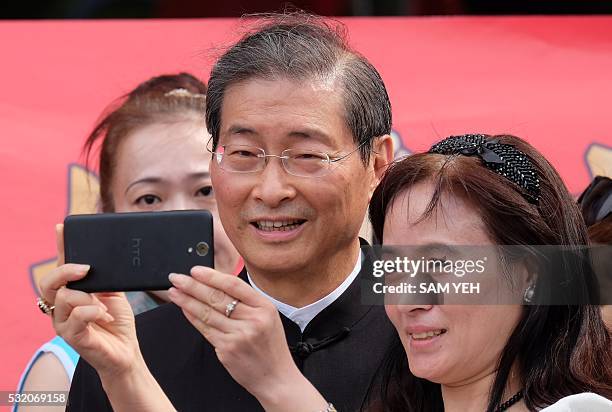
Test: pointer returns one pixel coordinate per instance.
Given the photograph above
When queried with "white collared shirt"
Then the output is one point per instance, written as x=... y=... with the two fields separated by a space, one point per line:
x=302 y=316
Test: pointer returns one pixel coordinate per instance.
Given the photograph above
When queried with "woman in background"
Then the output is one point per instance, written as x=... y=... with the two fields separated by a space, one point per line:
x=152 y=158
x=596 y=207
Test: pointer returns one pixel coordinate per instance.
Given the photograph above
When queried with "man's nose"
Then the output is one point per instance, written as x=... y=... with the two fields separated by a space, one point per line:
x=274 y=184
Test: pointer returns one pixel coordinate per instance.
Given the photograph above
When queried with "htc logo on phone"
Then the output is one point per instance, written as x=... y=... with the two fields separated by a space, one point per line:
x=136 y=251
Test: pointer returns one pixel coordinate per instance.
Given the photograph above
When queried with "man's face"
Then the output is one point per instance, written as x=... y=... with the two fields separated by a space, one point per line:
x=319 y=217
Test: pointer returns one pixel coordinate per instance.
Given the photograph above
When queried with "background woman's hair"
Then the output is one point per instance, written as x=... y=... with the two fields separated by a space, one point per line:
x=151 y=102
x=560 y=350
x=601 y=232
x=593 y=203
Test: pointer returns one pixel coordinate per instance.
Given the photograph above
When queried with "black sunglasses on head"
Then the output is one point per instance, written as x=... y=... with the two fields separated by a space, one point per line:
x=596 y=200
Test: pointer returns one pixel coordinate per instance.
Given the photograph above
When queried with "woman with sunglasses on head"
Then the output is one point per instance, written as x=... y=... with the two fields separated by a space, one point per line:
x=141 y=137
x=596 y=207
x=488 y=190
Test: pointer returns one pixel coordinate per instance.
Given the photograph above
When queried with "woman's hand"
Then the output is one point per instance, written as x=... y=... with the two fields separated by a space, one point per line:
x=250 y=342
x=100 y=326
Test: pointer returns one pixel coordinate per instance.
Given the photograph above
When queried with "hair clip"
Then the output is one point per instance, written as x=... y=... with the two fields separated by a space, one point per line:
x=504 y=159
x=184 y=93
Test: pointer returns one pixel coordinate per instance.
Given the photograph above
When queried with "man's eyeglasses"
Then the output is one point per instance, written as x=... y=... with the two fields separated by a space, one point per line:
x=296 y=162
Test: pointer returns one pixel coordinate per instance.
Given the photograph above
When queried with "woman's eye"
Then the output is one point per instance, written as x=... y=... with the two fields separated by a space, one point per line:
x=148 y=200
x=206 y=191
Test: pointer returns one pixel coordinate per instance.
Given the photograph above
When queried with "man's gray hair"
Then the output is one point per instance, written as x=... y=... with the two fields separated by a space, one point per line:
x=299 y=46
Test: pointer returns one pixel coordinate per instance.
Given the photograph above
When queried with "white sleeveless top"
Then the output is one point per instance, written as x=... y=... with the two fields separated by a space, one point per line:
x=582 y=402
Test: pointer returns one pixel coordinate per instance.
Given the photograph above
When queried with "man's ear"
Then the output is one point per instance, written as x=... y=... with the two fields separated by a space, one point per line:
x=382 y=156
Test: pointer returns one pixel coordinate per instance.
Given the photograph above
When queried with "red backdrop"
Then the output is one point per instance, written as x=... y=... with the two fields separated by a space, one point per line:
x=546 y=79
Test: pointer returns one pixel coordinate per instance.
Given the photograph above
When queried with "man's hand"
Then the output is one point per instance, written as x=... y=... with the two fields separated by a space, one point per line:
x=250 y=342
x=100 y=326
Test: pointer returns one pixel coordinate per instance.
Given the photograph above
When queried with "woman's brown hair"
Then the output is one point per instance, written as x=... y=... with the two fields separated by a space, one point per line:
x=165 y=98
x=561 y=350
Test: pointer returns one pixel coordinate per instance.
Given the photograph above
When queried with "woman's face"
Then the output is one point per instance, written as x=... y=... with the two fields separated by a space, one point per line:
x=468 y=339
x=164 y=166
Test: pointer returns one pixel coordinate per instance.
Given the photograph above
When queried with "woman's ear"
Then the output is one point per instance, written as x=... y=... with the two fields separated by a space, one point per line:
x=529 y=278
x=382 y=156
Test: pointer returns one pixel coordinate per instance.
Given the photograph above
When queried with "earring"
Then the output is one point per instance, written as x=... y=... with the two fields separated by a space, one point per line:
x=529 y=292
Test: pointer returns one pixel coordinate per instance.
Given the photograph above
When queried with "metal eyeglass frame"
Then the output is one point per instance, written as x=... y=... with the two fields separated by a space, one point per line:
x=329 y=159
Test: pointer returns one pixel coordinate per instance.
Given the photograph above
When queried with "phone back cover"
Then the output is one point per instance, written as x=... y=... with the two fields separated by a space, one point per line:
x=136 y=251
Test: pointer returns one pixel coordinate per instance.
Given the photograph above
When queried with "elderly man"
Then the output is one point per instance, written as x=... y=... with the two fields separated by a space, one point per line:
x=300 y=129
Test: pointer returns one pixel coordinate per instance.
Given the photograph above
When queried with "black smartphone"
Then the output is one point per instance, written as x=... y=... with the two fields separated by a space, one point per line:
x=137 y=251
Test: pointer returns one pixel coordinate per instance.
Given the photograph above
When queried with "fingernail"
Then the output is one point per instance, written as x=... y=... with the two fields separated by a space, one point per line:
x=173 y=293
x=175 y=279
x=108 y=317
x=199 y=270
x=82 y=269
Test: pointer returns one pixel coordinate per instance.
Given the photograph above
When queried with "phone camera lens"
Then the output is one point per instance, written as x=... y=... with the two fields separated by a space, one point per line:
x=202 y=249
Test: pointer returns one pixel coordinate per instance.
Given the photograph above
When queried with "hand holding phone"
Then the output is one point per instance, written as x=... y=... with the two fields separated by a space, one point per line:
x=100 y=327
